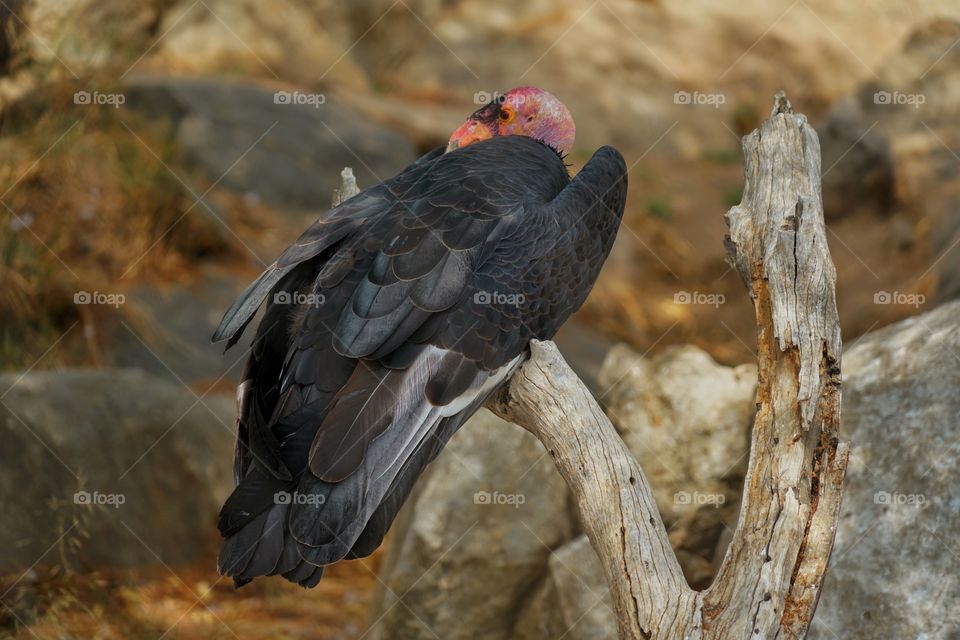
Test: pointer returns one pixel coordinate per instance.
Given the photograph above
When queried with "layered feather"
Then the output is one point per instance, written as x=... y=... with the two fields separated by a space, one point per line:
x=412 y=303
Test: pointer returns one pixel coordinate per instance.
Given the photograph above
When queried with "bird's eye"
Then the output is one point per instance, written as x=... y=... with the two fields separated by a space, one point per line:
x=506 y=115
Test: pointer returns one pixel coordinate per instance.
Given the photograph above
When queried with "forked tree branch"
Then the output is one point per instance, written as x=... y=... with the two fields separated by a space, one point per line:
x=771 y=577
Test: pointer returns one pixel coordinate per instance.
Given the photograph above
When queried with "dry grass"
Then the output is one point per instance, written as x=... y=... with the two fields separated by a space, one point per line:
x=192 y=604
x=62 y=597
x=89 y=206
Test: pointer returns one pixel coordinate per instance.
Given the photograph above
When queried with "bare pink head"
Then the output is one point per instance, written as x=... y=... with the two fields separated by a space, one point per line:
x=524 y=111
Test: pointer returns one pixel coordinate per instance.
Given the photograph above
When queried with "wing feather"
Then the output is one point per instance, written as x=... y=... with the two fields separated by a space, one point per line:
x=432 y=289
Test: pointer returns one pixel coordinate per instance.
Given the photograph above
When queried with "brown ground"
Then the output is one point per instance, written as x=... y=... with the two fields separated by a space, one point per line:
x=193 y=604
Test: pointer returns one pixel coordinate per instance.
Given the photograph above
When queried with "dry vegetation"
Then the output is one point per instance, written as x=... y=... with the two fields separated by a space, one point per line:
x=90 y=206
x=191 y=605
x=62 y=597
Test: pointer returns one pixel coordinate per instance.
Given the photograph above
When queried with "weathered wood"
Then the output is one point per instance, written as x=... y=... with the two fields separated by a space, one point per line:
x=794 y=480
x=771 y=577
x=617 y=507
x=348 y=187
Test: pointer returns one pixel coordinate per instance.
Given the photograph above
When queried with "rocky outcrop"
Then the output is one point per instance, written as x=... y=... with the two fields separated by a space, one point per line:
x=280 y=39
x=887 y=148
x=76 y=36
x=686 y=419
x=895 y=569
x=634 y=89
x=891 y=181
x=285 y=147
x=887 y=145
x=474 y=538
x=107 y=468
x=572 y=600
x=619 y=61
x=304 y=42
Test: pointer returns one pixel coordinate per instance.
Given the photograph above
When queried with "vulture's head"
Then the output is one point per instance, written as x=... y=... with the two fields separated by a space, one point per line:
x=524 y=111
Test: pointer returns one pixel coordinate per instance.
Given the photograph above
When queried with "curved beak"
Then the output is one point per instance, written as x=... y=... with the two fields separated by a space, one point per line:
x=471 y=131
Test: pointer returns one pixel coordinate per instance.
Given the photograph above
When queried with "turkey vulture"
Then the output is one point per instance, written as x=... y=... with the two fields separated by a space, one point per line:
x=391 y=320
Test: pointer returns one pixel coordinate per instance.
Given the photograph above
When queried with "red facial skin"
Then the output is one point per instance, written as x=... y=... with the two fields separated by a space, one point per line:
x=524 y=111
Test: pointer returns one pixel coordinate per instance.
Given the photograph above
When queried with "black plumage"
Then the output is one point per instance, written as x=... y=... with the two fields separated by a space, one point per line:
x=387 y=324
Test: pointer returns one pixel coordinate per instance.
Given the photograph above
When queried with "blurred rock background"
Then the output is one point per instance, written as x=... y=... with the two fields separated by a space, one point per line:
x=155 y=155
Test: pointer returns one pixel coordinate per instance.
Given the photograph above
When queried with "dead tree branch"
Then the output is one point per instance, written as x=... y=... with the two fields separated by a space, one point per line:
x=771 y=578
x=348 y=187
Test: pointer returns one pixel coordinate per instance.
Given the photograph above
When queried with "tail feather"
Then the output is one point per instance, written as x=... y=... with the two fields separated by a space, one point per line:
x=265 y=547
x=327 y=519
x=293 y=567
x=306 y=575
x=269 y=544
x=324 y=521
x=379 y=523
x=255 y=494
x=328 y=529
x=238 y=549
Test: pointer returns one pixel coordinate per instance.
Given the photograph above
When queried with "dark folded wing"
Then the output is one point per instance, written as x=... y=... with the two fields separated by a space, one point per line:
x=533 y=267
x=416 y=317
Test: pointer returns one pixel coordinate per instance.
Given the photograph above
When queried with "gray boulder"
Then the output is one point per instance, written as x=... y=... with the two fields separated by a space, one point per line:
x=107 y=468
x=895 y=570
x=572 y=600
x=474 y=538
x=256 y=140
x=687 y=421
x=883 y=146
x=168 y=332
